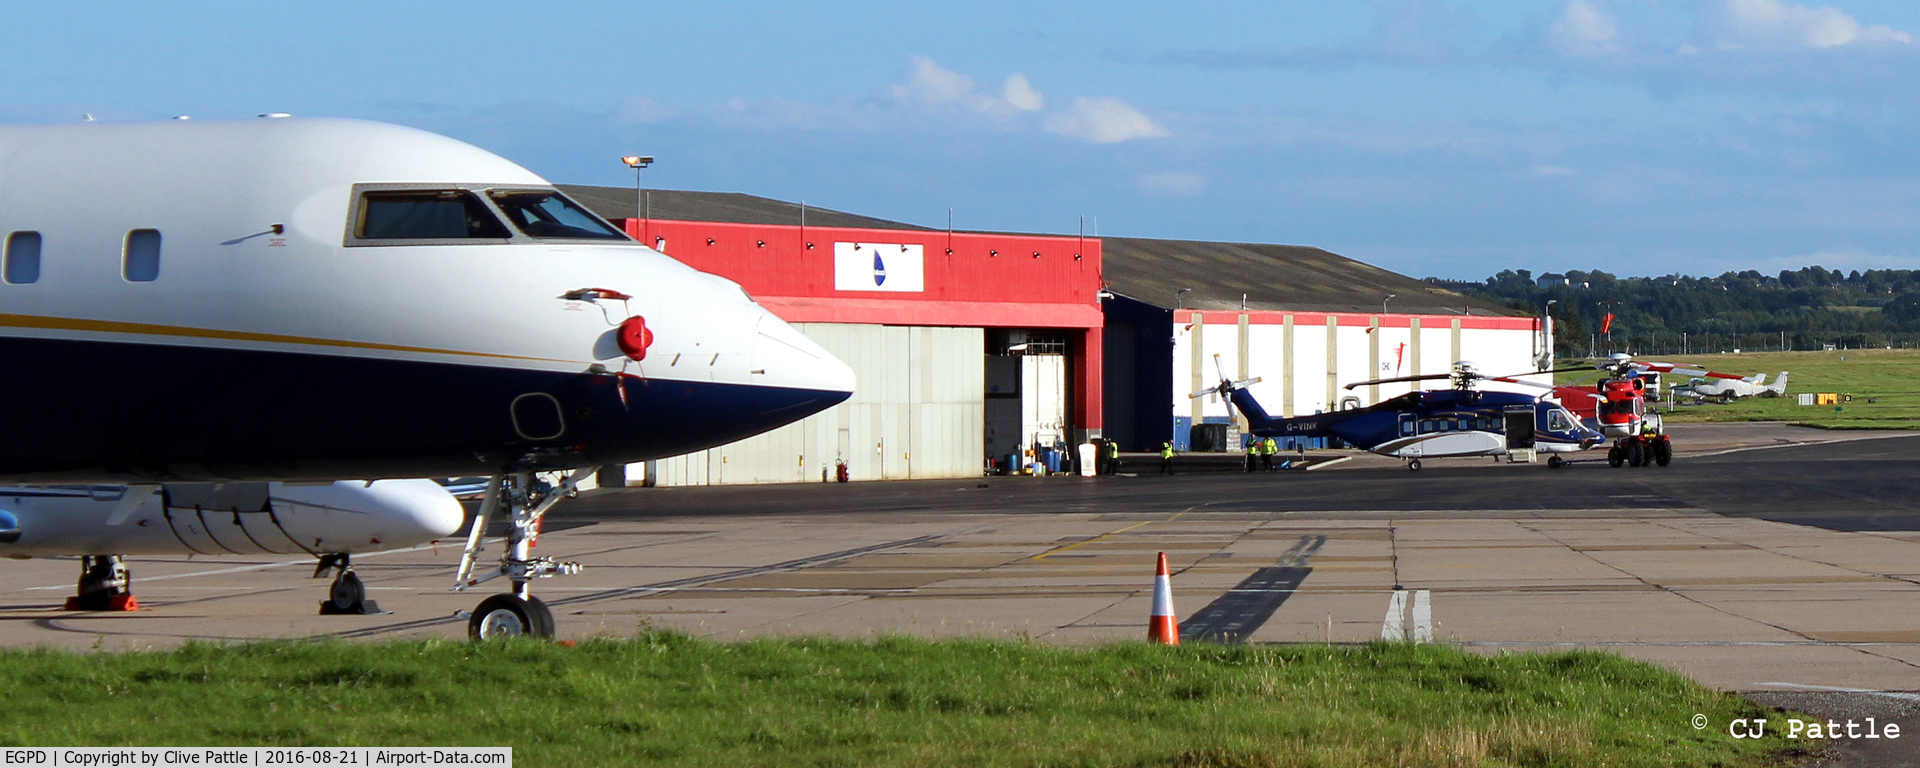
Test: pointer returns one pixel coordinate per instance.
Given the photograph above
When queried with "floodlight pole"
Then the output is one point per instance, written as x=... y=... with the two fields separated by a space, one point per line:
x=637 y=163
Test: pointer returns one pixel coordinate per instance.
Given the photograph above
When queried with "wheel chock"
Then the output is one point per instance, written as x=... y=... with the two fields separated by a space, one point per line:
x=364 y=608
x=98 y=603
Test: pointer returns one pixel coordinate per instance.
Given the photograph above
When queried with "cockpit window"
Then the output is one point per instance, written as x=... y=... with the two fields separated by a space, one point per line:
x=549 y=214
x=1559 y=422
x=427 y=215
x=1618 y=407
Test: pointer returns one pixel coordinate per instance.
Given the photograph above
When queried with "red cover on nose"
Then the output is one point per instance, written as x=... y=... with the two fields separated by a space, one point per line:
x=634 y=337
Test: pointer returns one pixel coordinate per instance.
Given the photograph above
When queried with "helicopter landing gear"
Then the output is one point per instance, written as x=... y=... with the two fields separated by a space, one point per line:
x=1413 y=464
x=516 y=613
x=1555 y=462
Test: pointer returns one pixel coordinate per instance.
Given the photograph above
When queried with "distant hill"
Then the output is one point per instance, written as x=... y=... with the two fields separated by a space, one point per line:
x=1806 y=309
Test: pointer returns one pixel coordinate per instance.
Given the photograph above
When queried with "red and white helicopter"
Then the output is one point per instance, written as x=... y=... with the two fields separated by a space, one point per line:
x=1617 y=406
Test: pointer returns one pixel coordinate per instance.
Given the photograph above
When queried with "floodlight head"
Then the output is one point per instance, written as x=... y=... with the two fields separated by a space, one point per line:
x=637 y=161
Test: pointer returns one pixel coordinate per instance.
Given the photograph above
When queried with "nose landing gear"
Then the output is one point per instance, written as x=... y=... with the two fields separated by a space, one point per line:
x=105 y=585
x=347 y=595
x=516 y=613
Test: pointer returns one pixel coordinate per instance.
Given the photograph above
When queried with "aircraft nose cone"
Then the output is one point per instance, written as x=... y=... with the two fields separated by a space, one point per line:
x=791 y=360
x=416 y=511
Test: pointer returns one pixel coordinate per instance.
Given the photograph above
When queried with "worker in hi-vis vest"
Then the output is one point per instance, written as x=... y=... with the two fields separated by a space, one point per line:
x=1166 y=457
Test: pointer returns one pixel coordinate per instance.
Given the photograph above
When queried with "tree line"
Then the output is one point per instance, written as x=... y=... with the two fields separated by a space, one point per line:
x=1806 y=308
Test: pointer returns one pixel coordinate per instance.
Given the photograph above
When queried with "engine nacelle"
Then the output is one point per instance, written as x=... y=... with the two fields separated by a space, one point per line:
x=225 y=518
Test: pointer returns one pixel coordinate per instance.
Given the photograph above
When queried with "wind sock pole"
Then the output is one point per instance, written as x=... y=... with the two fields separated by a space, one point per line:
x=1162 y=627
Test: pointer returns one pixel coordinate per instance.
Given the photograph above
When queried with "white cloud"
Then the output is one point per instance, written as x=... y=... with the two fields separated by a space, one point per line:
x=1771 y=24
x=1585 y=29
x=637 y=109
x=1103 y=120
x=1173 y=184
x=1021 y=95
x=930 y=84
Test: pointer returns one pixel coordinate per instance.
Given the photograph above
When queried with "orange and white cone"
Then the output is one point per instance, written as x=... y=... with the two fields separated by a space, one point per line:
x=1162 y=627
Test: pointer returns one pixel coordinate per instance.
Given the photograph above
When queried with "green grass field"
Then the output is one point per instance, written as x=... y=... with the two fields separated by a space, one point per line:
x=1889 y=376
x=666 y=699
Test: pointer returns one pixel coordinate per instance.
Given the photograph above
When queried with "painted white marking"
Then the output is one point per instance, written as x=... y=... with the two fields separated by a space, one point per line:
x=1888 y=694
x=1423 y=616
x=1799 y=444
x=1394 y=629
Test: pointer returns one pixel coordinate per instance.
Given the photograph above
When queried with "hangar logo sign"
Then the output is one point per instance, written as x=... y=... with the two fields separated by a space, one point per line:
x=879 y=267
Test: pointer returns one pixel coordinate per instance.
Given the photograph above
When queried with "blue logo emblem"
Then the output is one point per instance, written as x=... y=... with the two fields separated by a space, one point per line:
x=879 y=269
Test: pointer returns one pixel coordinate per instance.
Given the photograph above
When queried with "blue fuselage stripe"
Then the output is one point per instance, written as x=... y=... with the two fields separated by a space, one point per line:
x=97 y=411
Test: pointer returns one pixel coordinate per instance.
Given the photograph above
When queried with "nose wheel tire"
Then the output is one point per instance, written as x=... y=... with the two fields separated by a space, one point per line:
x=1414 y=465
x=1555 y=462
x=509 y=615
x=347 y=594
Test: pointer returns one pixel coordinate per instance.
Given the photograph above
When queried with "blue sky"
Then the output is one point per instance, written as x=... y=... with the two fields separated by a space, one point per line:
x=1429 y=137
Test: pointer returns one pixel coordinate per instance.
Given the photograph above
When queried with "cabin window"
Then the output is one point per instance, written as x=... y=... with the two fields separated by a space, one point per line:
x=549 y=214
x=426 y=215
x=23 y=258
x=140 y=262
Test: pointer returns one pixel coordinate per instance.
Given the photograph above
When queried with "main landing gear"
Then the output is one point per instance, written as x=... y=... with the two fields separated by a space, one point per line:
x=105 y=585
x=1641 y=451
x=517 y=612
x=347 y=595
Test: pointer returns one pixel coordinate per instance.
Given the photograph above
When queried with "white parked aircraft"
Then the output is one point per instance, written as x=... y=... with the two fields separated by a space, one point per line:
x=1730 y=389
x=333 y=521
x=289 y=299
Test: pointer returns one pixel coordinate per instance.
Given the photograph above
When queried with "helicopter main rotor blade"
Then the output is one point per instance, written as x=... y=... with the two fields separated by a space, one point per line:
x=1426 y=377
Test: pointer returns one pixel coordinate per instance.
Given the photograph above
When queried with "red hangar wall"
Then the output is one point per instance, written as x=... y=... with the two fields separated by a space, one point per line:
x=968 y=346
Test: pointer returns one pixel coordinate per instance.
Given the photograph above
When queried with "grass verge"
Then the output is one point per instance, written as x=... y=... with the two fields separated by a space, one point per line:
x=1890 y=377
x=663 y=698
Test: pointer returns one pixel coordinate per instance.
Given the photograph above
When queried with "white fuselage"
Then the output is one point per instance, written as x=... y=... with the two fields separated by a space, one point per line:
x=272 y=341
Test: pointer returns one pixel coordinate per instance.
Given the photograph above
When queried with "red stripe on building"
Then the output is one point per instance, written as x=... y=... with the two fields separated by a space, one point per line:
x=1360 y=320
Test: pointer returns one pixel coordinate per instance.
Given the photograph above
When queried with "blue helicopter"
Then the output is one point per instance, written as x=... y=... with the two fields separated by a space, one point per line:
x=1462 y=421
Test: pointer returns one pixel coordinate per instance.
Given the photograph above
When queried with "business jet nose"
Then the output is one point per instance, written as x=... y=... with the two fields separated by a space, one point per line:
x=414 y=511
x=788 y=359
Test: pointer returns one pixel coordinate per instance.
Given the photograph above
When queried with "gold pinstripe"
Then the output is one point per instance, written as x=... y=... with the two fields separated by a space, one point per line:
x=151 y=329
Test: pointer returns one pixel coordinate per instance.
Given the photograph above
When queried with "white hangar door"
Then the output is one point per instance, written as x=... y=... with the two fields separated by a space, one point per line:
x=916 y=412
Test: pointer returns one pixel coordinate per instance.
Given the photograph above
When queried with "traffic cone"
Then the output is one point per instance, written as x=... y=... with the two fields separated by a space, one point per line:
x=1162 y=627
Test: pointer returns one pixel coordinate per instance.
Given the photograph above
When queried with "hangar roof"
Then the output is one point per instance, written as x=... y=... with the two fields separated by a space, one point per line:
x=721 y=207
x=1273 y=277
